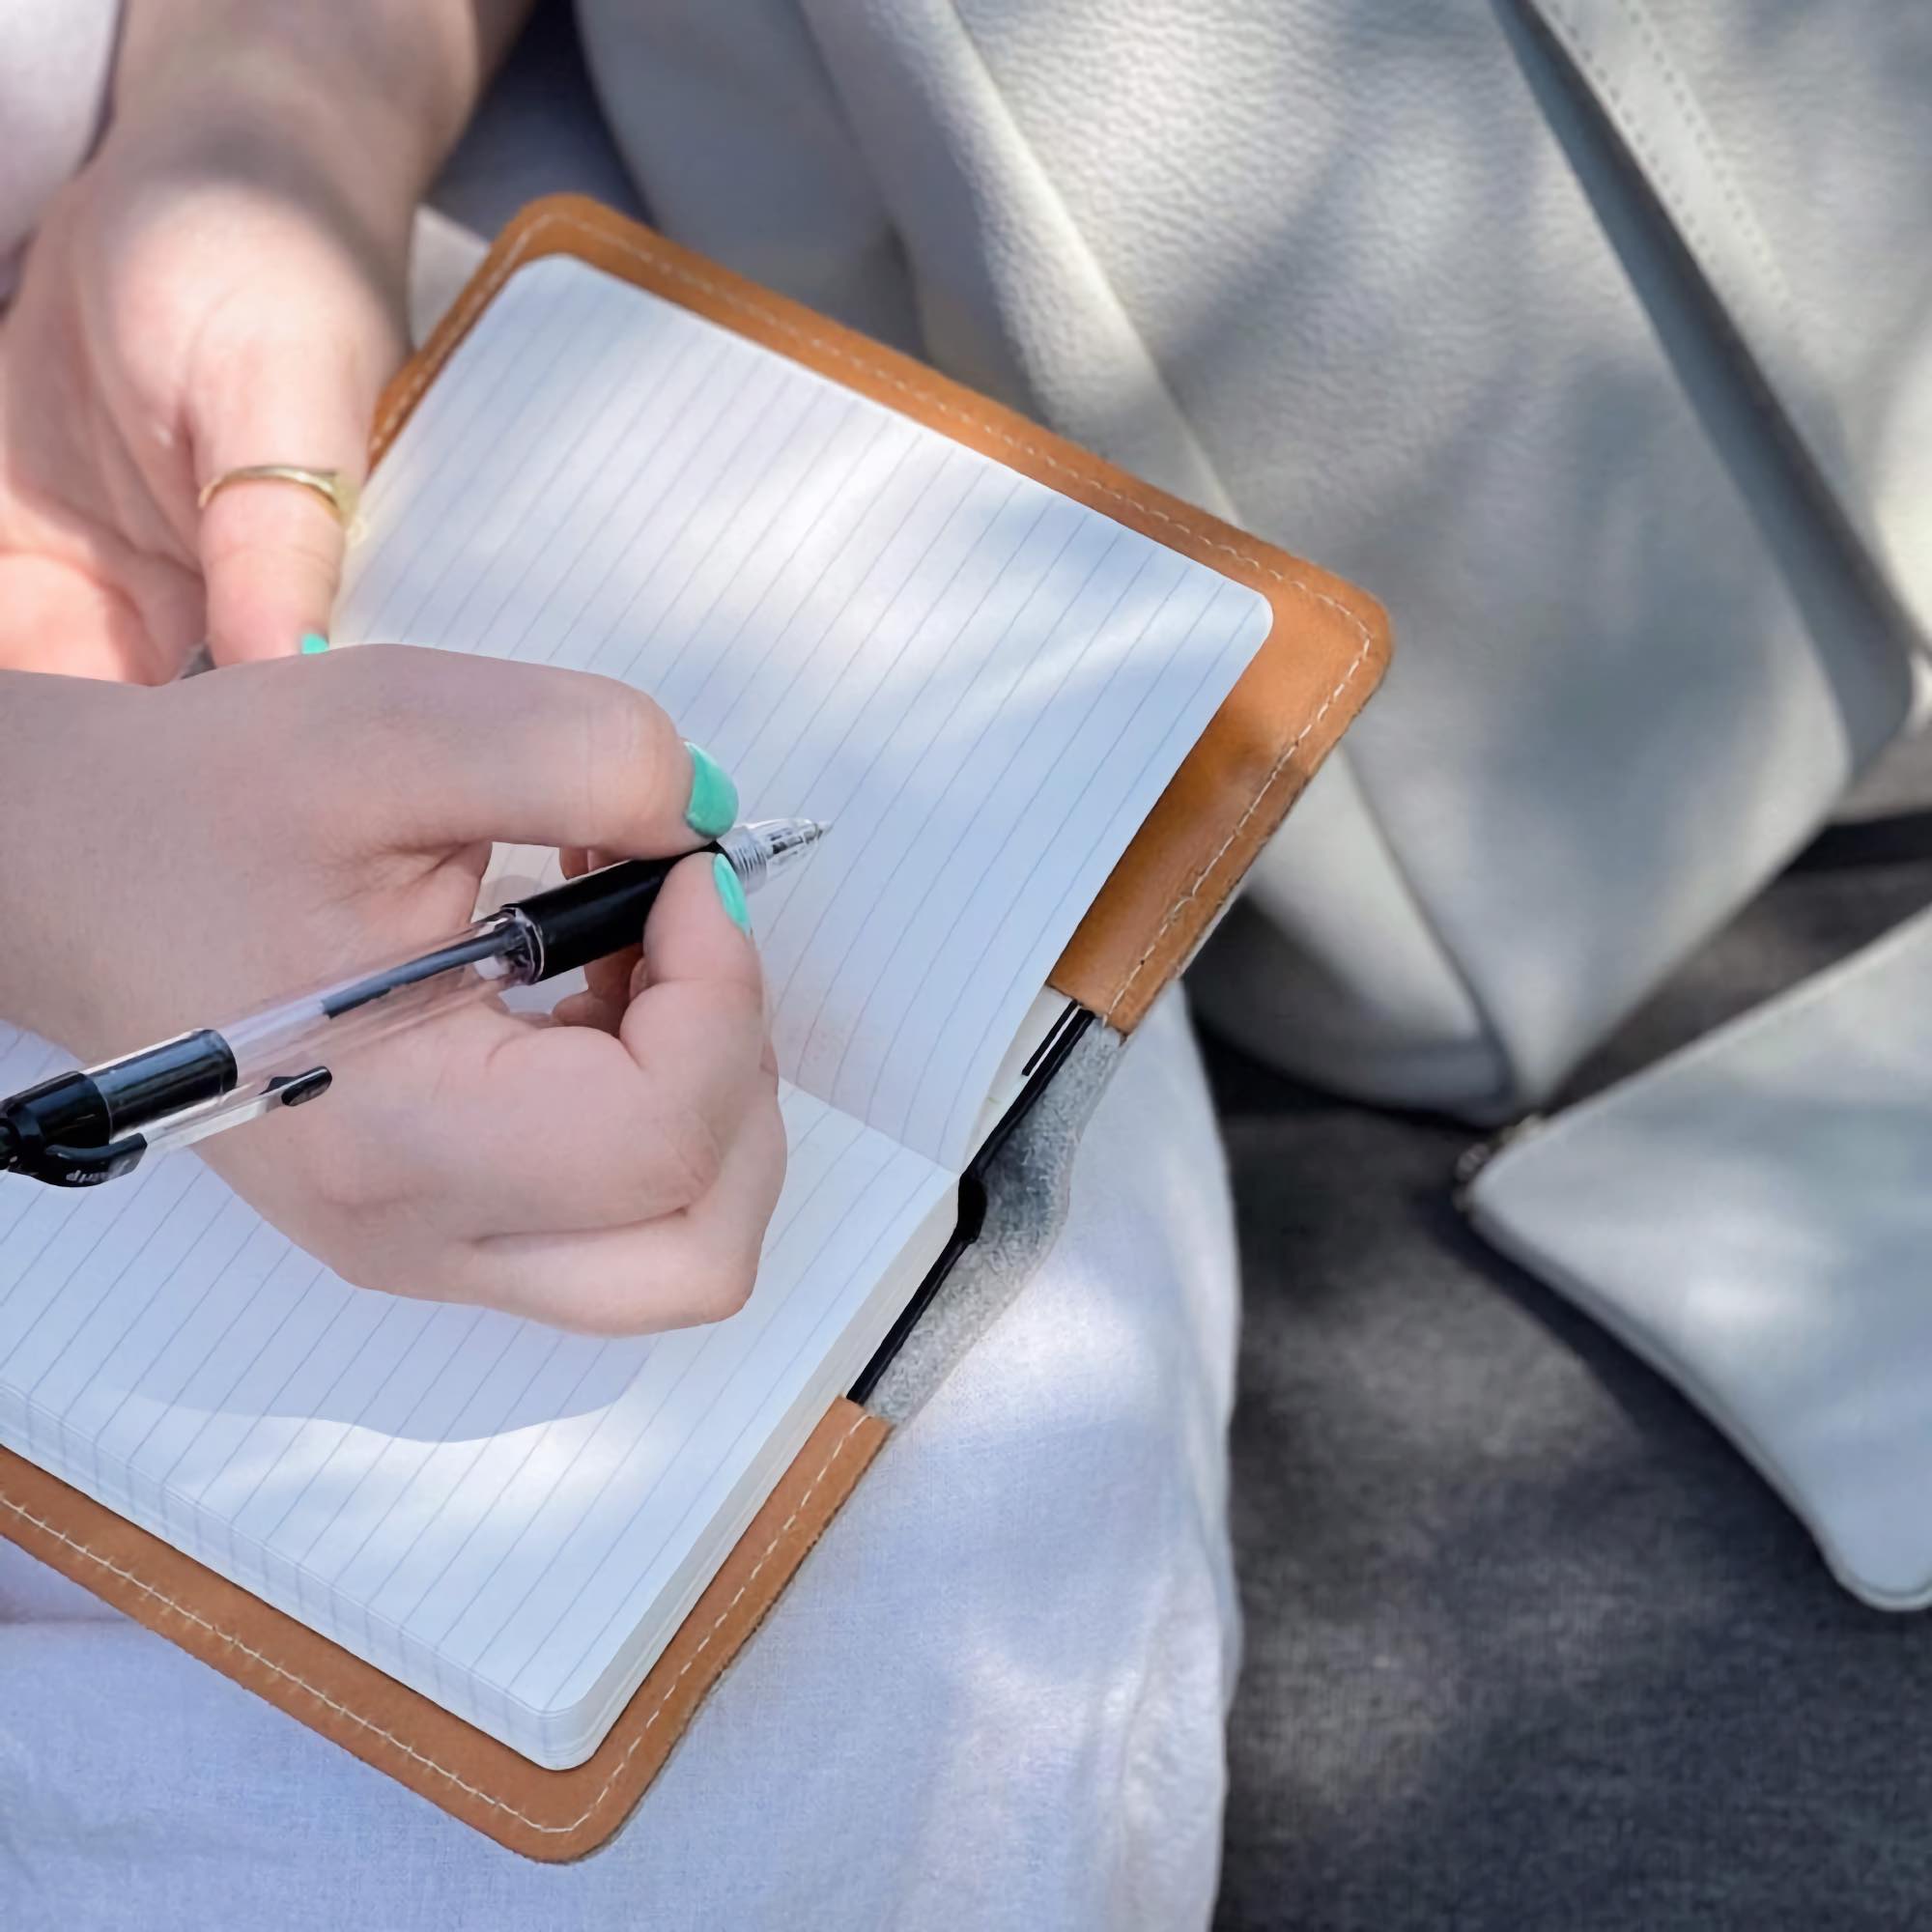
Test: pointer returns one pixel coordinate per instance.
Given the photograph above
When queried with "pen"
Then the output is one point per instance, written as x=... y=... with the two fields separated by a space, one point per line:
x=80 y=1128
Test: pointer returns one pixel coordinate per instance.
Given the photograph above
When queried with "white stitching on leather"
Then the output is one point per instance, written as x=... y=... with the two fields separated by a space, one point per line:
x=1667 y=183
x=826 y=345
x=1187 y=899
x=513 y=259
x=409 y=1750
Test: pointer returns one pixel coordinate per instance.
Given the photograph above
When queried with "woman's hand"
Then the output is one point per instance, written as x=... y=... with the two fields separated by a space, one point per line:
x=261 y=830
x=221 y=285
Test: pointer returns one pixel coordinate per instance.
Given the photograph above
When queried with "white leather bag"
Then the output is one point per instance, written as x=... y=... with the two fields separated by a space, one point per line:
x=1754 y=1216
x=1595 y=336
x=55 y=65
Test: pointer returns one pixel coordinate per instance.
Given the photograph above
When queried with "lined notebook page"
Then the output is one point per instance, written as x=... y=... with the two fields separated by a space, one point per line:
x=484 y=1507
x=985 y=686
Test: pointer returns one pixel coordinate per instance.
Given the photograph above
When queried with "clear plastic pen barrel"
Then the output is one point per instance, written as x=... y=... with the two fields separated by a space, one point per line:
x=490 y=958
x=278 y=1044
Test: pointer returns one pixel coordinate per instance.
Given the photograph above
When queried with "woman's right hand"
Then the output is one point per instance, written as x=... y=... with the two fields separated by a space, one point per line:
x=185 y=854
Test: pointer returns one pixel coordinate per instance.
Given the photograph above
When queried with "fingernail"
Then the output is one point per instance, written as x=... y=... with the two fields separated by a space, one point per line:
x=732 y=891
x=714 y=798
x=313 y=641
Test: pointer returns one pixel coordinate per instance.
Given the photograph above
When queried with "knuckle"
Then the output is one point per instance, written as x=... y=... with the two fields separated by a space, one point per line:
x=729 y=1017
x=387 y=709
x=373 y=1265
x=363 y=698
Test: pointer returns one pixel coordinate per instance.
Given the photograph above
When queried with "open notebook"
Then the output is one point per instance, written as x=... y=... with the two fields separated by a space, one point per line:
x=984 y=684
x=1053 y=715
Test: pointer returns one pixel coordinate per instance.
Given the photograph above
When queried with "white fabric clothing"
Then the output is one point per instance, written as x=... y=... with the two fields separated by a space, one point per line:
x=991 y=1699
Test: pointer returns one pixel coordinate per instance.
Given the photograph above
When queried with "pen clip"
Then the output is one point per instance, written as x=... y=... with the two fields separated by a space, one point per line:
x=285 y=1089
x=59 y=1166
x=74 y=1166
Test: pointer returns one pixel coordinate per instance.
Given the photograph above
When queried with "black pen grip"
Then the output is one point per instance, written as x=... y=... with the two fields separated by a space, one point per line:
x=601 y=913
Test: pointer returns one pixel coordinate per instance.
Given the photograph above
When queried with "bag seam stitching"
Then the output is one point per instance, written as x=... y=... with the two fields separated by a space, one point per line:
x=1770 y=1018
x=1668 y=183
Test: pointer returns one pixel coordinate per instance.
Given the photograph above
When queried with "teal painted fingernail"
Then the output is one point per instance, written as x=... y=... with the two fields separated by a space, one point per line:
x=313 y=641
x=714 y=798
x=732 y=891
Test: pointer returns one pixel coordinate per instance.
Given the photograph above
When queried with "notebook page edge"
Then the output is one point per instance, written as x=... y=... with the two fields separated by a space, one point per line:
x=591 y=1716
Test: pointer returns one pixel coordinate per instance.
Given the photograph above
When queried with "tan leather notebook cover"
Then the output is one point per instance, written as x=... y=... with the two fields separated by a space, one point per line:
x=1324 y=654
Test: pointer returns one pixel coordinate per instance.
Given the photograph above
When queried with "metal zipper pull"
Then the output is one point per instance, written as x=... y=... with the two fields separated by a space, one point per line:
x=1471 y=1162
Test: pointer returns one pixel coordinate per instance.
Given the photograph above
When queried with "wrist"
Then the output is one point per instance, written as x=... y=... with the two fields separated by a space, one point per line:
x=374 y=91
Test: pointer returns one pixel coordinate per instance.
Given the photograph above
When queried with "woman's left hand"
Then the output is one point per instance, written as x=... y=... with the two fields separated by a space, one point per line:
x=221 y=285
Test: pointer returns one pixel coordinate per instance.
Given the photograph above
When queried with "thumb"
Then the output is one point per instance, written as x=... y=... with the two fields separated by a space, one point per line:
x=272 y=549
x=462 y=749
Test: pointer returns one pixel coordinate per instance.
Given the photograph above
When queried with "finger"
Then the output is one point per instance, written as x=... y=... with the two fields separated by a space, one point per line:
x=589 y=1010
x=482 y=747
x=699 y=974
x=698 y=1264
x=614 y=981
x=554 y=1129
x=543 y=1128
x=273 y=557
x=271 y=552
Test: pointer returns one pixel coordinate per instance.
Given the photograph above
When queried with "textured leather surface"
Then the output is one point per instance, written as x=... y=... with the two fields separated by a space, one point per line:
x=1753 y=1217
x=1324 y=655
x=1793 y=143
x=543 y=1814
x=1370 y=276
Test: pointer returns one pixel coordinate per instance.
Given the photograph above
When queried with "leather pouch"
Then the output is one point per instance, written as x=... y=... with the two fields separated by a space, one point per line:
x=1753 y=1216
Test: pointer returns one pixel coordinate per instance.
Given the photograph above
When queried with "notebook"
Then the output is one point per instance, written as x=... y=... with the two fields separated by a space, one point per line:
x=993 y=669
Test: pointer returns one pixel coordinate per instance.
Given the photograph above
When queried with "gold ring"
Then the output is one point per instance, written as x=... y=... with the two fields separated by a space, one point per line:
x=338 y=491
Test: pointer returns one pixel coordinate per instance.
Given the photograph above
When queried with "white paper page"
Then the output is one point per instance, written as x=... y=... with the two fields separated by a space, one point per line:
x=985 y=686
x=482 y=1506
